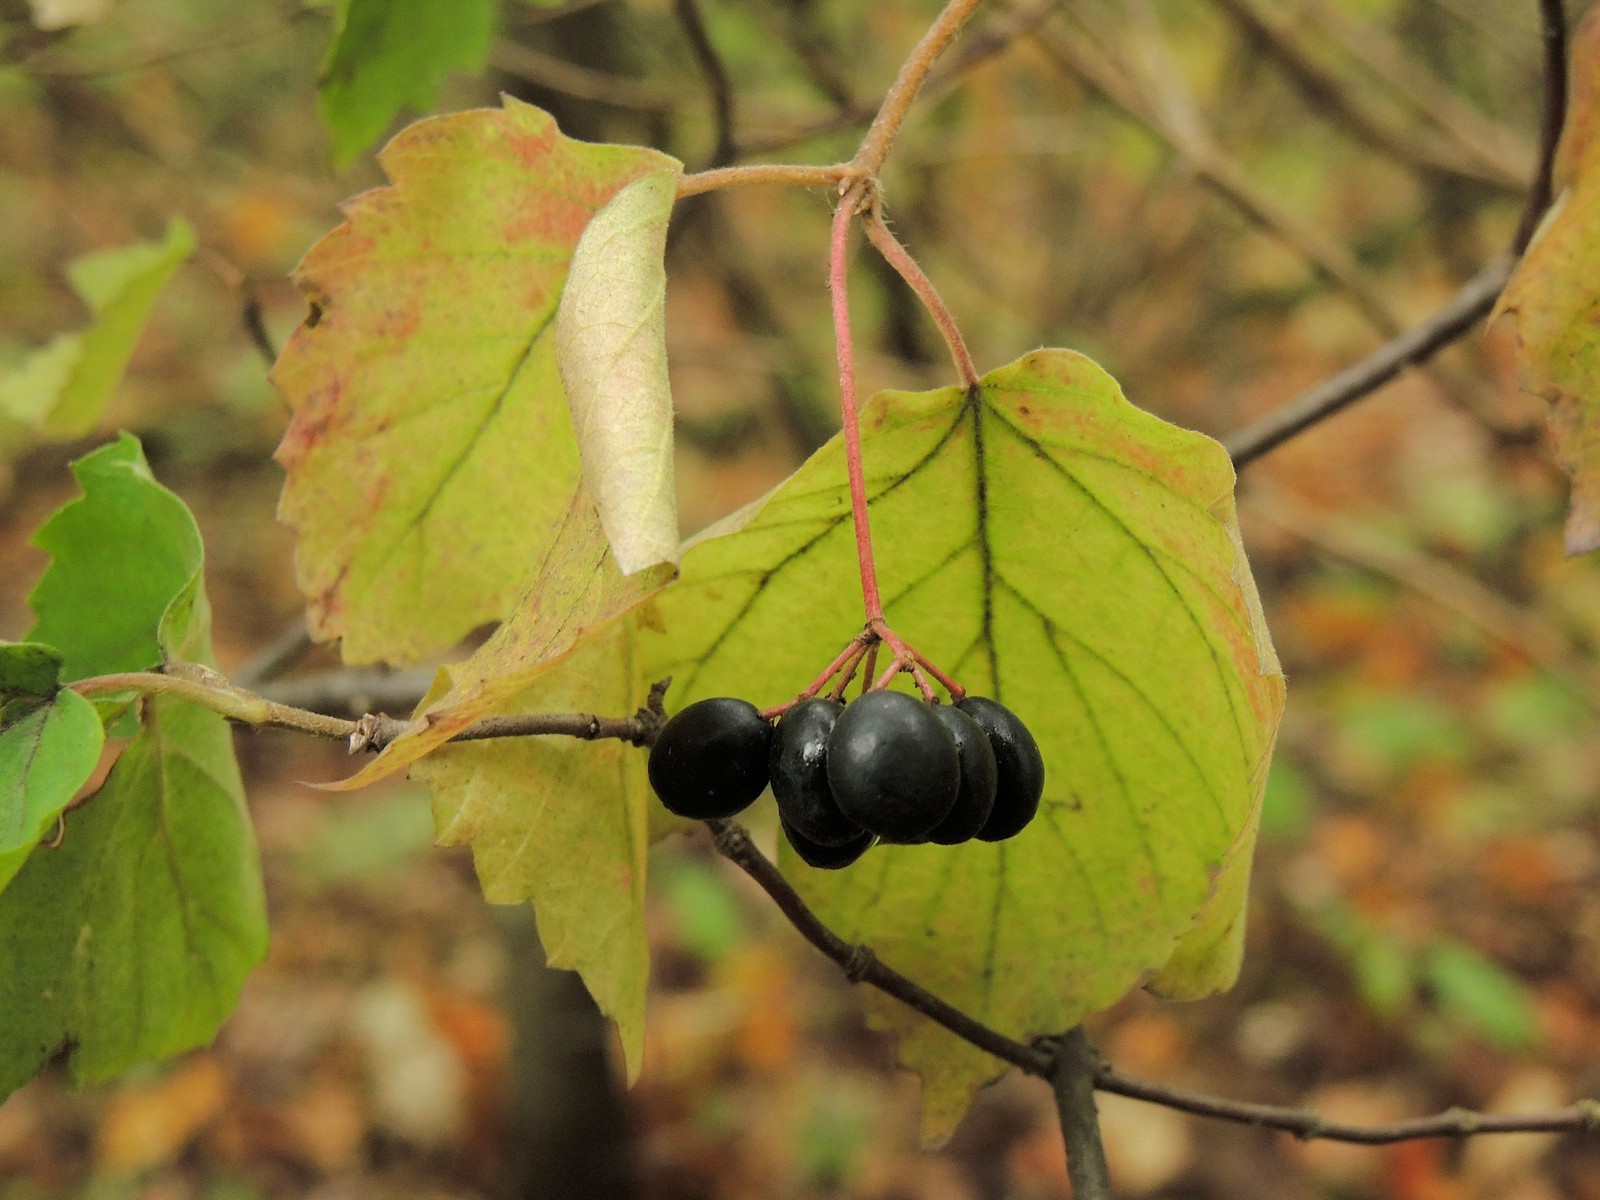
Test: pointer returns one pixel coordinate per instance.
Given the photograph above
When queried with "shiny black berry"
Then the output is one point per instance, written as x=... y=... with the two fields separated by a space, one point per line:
x=826 y=858
x=979 y=777
x=710 y=760
x=799 y=769
x=1020 y=768
x=893 y=766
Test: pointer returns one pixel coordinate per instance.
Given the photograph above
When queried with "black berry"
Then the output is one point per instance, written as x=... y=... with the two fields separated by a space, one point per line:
x=979 y=777
x=826 y=858
x=710 y=760
x=799 y=769
x=1020 y=768
x=893 y=767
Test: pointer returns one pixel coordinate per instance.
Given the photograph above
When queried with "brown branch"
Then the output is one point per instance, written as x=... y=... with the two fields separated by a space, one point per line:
x=861 y=965
x=1073 y=1080
x=1554 y=22
x=1409 y=349
x=724 y=149
x=1582 y=1117
x=791 y=174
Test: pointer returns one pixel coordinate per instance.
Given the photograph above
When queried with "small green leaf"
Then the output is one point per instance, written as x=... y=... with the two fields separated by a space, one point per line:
x=431 y=450
x=44 y=759
x=29 y=669
x=611 y=346
x=122 y=554
x=393 y=54
x=131 y=941
x=1078 y=560
x=63 y=387
x=1480 y=994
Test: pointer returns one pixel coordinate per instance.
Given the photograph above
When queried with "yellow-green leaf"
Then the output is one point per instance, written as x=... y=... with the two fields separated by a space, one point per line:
x=1077 y=559
x=431 y=449
x=611 y=345
x=1553 y=296
x=562 y=823
x=62 y=387
x=574 y=594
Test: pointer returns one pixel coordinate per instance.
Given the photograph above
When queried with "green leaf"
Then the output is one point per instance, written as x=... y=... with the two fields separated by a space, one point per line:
x=122 y=555
x=29 y=669
x=131 y=941
x=62 y=387
x=1077 y=559
x=1557 y=306
x=45 y=757
x=431 y=450
x=393 y=54
x=611 y=346
x=1480 y=994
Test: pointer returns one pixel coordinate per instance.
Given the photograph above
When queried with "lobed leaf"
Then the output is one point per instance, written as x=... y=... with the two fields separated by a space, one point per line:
x=62 y=387
x=1557 y=307
x=1077 y=559
x=430 y=449
x=611 y=347
x=393 y=54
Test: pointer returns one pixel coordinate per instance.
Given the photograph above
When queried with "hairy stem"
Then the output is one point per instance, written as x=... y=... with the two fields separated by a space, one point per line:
x=898 y=257
x=837 y=275
x=892 y=113
x=792 y=174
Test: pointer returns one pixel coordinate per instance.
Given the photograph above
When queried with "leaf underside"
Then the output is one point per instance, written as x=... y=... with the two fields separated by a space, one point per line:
x=1075 y=558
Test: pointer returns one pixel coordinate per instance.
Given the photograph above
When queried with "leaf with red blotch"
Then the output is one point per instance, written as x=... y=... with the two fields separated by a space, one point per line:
x=1557 y=305
x=431 y=449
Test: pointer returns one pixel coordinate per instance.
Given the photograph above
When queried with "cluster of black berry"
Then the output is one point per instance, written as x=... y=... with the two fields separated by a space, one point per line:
x=885 y=766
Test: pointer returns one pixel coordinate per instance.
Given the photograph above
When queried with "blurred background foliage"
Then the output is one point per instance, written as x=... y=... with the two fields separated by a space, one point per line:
x=1223 y=202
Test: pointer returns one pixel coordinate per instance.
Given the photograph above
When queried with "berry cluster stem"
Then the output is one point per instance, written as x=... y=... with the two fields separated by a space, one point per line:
x=838 y=286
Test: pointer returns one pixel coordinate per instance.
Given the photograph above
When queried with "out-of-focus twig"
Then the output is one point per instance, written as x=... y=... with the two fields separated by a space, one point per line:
x=1412 y=348
x=1554 y=24
x=1439 y=582
x=584 y=83
x=1348 y=108
x=724 y=148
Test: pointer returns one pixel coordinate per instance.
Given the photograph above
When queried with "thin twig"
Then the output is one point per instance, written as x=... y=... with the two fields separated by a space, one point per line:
x=1582 y=1117
x=913 y=72
x=585 y=83
x=1073 y=1081
x=724 y=149
x=1554 y=24
x=352 y=691
x=1414 y=346
x=791 y=174
x=898 y=257
x=861 y=965
x=286 y=648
